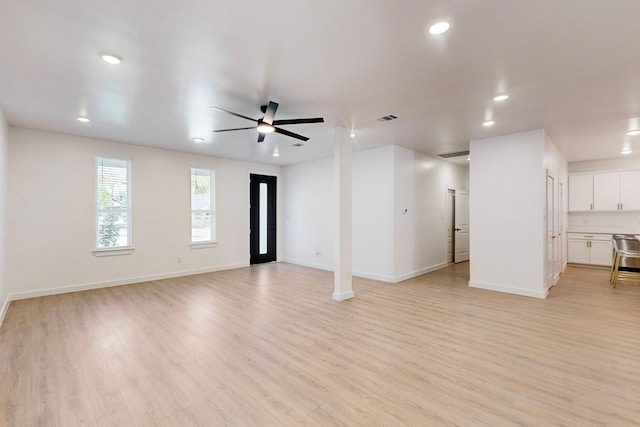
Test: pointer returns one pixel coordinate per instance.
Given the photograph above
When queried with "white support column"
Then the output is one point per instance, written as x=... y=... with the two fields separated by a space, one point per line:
x=342 y=285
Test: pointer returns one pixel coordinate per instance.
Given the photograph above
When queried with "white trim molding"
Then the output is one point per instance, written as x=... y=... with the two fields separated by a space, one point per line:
x=542 y=294
x=129 y=281
x=4 y=308
x=128 y=250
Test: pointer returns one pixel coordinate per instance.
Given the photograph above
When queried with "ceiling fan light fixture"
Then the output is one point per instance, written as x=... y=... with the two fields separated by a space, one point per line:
x=633 y=132
x=625 y=152
x=198 y=140
x=488 y=123
x=83 y=119
x=502 y=97
x=265 y=128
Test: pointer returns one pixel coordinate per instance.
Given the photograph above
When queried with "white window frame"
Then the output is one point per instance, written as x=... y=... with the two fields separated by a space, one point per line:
x=211 y=242
x=123 y=249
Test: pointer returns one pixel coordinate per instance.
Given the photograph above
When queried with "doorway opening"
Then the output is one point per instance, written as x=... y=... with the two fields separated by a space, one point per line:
x=457 y=226
x=262 y=218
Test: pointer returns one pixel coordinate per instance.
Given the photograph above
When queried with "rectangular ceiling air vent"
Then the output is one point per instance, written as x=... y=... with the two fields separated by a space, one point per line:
x=456 y=154
x=387 y=118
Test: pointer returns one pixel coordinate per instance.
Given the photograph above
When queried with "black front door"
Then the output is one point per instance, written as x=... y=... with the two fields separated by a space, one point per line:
x=262 y=218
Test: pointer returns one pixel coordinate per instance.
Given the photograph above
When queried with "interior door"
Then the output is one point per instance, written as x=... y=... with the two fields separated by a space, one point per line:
x=559 y=233
x=550 y=231
x=451 y=194
x=461 y=236
x=262 y=218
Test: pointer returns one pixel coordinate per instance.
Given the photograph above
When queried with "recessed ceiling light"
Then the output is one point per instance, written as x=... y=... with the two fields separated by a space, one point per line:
x=353 y=135
x=83 y=119
x=198 y=139
x=626 y=152
x=633 y=132
x=111 y=58
x=276 y=154
x=501 y=97
x=439 y=27
x=489 y=123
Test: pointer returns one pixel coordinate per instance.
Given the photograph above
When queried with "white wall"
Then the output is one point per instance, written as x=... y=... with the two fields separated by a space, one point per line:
x=373 y=213
x=388 y=244
x=4 y=293
x=507 y=208
x=404 y=198
x=309 y=207
x=51 y=214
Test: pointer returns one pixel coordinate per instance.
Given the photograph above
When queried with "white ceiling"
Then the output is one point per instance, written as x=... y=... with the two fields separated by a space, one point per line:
x=571 y=67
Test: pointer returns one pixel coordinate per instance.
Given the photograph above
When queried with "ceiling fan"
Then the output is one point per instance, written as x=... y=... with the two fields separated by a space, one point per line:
x=267 y=124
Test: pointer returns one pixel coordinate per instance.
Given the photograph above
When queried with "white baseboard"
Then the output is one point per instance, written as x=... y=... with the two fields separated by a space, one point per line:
x=542 y=294
x=308 y=264
x=4 y=308
x=129 y=281
x=379 y=277
x=343 y=296
x=401 y=278
x=420 y=272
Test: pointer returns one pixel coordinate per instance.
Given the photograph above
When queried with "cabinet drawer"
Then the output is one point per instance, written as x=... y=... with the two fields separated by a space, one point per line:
x=594 y=236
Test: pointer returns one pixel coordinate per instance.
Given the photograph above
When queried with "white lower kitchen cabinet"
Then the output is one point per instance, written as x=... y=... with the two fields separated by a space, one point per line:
x=589 y=249
x=601 y=253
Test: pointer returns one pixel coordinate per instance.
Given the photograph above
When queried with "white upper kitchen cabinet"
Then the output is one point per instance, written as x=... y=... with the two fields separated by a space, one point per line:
x=580 y=192
x=606 y=191
x=630 y=191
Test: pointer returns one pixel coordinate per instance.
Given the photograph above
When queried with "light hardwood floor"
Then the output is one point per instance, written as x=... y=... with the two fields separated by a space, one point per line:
x=267 y=346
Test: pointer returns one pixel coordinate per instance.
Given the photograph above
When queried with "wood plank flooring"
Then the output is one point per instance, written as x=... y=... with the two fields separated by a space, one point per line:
x=266 y=346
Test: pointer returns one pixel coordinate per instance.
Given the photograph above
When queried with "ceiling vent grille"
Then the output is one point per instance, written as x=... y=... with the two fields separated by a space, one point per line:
x=456 y=154
x=387 y=118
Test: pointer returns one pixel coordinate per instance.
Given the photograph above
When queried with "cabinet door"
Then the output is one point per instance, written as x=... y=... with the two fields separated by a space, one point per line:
x=601 y=253
x=606 y=191
x=630 y=191
x=580 y=192
x=577 y=251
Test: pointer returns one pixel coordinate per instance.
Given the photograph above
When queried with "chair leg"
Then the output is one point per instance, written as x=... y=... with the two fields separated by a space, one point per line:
x=615 y=272
x=616 y=255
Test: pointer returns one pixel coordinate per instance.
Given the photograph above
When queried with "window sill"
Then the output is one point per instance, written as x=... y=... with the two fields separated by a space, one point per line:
x=128 y=250
x=202 y=245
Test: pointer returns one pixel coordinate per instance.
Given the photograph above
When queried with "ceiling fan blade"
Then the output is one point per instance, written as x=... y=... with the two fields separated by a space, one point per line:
x=291 y=134
x=261 y=137
x=297 y=121
x=227 y=130
x=234 y=114
x=270 y=113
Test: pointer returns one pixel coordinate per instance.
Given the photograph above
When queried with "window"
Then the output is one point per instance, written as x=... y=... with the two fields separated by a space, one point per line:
x=202 y=206
x=113 y=207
